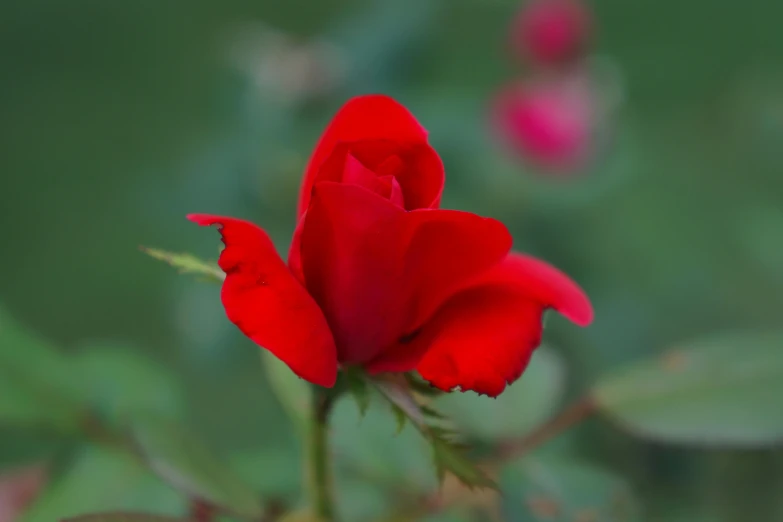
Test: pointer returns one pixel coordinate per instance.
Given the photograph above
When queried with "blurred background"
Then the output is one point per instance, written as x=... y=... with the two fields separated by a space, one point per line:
x=645 y=162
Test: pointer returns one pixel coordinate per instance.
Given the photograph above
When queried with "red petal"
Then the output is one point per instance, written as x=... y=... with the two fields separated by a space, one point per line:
x=483 y=337
x=545 y=284
x=341 y=264
x=358 y=174
x=481 y=340
x=447 y=249
x=416 y=167
x=266 y=302
x=396 y=196
x=379 y=272
x=422 y=177
x=372 y=117
x=295 y=251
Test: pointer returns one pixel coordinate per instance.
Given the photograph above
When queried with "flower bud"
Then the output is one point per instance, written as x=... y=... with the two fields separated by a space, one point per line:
x=549 y=124
x=550 y=32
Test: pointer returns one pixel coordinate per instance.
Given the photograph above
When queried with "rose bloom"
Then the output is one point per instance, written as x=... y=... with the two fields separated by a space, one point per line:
x=550 y=124
x=550 y=32
x=379 y=277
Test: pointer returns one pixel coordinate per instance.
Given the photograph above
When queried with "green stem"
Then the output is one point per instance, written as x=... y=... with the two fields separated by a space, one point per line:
x=321 y=485
x=572 y=415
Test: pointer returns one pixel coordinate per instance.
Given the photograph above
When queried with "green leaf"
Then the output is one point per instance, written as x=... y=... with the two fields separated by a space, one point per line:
x=361 y=500
x=432 y=413
x=451 y=457
x=104 y=479
x=188 y=264
x=123 y=517
x=447 y=455
x=556 y=490
x=121 y=381
x=42 y=386
x=292 y=391
x=37 y=384
x=400 y=417
x=272 y=471
x=422 y=387
x=357 y=386
x=188 y=465
x=521 y=407
x=723 y=390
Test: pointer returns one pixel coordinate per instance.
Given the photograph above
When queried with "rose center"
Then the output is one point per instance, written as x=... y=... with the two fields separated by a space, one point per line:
x=381 y=181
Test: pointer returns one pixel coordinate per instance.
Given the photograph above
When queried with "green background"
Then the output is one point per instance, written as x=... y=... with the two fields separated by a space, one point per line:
x=118 y=118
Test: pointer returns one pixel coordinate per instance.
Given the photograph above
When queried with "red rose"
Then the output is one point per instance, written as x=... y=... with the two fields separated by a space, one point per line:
x=379 y=277
x=551 y=31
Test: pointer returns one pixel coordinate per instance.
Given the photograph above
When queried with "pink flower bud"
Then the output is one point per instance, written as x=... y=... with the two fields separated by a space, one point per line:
x=549 y=123
x=551 y=31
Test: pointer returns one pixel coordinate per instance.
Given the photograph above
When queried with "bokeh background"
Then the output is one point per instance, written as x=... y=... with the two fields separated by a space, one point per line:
x=117 y=119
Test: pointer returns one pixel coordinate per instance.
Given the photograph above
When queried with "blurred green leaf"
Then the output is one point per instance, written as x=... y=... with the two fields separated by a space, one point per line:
x=366 y=448
x=184 y=462
x=447 y=454
x=360 y=500
x=375 y=470
x=300 y=515
x=292 y=391
x=723 y=390
x=521 y=407
x=41 y=386
x=21 y=446
x=400 y=416
x=553 y=490
x=123 y=517
x=121 y=380
x=753 y=232
x=188 y=264
x=272 y=471
x=18 y=405
x=102 y=479
x=37 y=384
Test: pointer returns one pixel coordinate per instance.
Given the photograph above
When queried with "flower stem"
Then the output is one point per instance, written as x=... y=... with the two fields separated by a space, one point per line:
x=321 y=482
x=572 y=415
